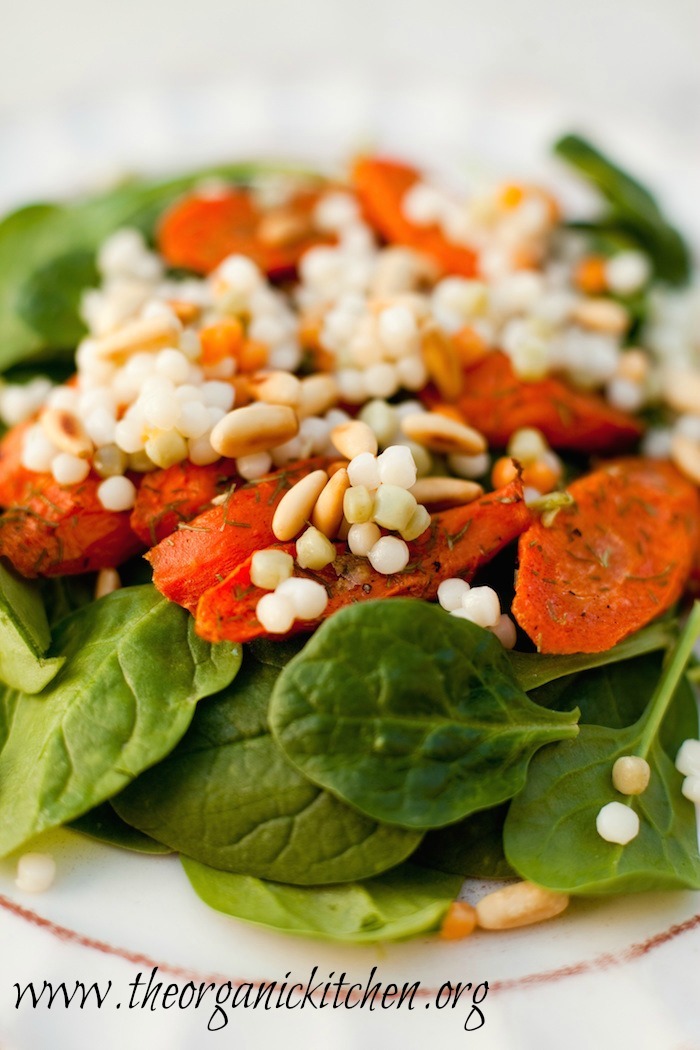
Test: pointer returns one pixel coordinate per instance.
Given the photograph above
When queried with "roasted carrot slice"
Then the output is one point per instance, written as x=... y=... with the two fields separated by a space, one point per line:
x=459 y=541
x=179 y=493
x=198 y=232
x=497 y=403
x=381 y=185
x=14 y=478
x=608 y=565
x=203 y=551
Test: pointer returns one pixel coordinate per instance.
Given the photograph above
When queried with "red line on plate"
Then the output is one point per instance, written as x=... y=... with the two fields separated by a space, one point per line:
x=600 y=962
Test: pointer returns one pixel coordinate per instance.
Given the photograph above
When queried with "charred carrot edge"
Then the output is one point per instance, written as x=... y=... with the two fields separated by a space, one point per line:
x=608 y=565
x=458 y=542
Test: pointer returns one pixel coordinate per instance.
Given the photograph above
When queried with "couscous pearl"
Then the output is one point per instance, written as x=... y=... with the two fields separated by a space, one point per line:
x=505 y=631
x=188 y=392
x=255 y=466
x=173 y=365
x=397 y=329
x=194 y=419
x=69 y=470
x=269 y=568
x=275 y=613
x=316 y=431
x=239 y=274
x=128 y=435
x=450 y=593
x=411 y=372
x=308 y=598
x=482 y=606
x=625 y=395
x=617 y=823
x=656 y=443
x=38 y=451
x=116 y=493
x=380 y=417
x=627 y=272
x=161 y=409
x=119 y=252
x=363 y=470
x=286 y=357
x=166 y=448
x=688 y=758
x=35 y=872
x=351 y=385
x=335 y=211
x=388 y=555
x=362 y=537
x=691 y=789
x=470 y=466
x=396 y=466
x=423 y=204
x=215 y=414
x=381 y=380
x=100 y=425
x=218 y=395
x=200 y=451
x=221 y=370
x=63 y=397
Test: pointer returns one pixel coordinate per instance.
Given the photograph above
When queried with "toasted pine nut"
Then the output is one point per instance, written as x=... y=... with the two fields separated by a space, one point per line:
x=318 y=394
x=633 y=365
x=681 y=390
x=143 y=334
x=353 y=438
x=328 y=512
x=275 y=388
x=601 y=315
x=107 y=582
x=281 y=227
x=402 y=270
x=295 y=507
x=685 y=453
x=519 y=905
x=254 y=428
x=441 y=434
x=67 y=432
x=453 y=492
x=442 y=362
x=184 y=311
x=460 y=921
x=631 y=775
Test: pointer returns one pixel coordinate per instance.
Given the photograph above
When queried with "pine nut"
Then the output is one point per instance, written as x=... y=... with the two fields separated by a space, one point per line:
x=453 y=492
x=186 y=312
x=144 y=334
x=601 y=315
x=633 y=365
x=442 y=363
x=328 y=512
x=681 y=390
x=107 y=582
x=318 y=394
x=66 y=432
x=353 y=438
x=519 y=905
x=402 y=270
x=254 y=428
x=685 y=453
x=460 y=921
x=631 y=775
x=281 y=227
x=274 y=388
x=296 y=506
x=442 y=434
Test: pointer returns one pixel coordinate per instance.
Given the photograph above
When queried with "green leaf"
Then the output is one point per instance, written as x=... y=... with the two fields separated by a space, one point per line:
x=402 y=903
x=536 y=669
x=50 y=299
x=24 y=635
x=473 y=848
x=633 y=212
x=550 y=833
x=103 y=824
x=133 y=671
x=409 y=714
x=227 y=796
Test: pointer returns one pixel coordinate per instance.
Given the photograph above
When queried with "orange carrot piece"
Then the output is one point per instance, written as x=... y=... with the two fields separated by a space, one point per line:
x=381 y=185
x=200 y=553
x=197 y=232
x=14 y=478
x=497 y=403
x=459 y=541
x=608 y=565
x=179 y=493
x=590 y=276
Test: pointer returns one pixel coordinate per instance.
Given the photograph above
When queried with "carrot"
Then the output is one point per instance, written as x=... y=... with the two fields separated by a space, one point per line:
x=616 y=560
x=198 y=232
x=179 y=493
x=203 y=551
x=459 y=541
x=381 y=186
x=13 y=476
x=497 y=403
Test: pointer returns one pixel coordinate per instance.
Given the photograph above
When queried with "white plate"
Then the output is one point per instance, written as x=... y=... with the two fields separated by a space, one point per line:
x=622 y=972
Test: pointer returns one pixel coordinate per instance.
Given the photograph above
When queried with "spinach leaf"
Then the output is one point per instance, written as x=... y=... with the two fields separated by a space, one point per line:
x=402 y=903
x=49 y=300
x=64 y=594
x=133 y=671
x=103 y=824
x=550 y=833
x=536 y=669
x=24 y=635
x=632 y=211
x=228 y=797
x=473 y=848
x=409 y=714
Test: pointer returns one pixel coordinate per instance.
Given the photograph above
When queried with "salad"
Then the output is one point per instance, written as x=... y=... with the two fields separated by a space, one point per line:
x=349 y=537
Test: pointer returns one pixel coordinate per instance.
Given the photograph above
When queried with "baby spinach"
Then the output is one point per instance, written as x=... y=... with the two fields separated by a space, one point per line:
x=473 y=848
x=550 y=832
x=24 y=635
x=49 y=300
x=633 y=213
x=125 y=695
x=103 y=824
x=404 y=902
x=228 y=797
x=411 y=715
